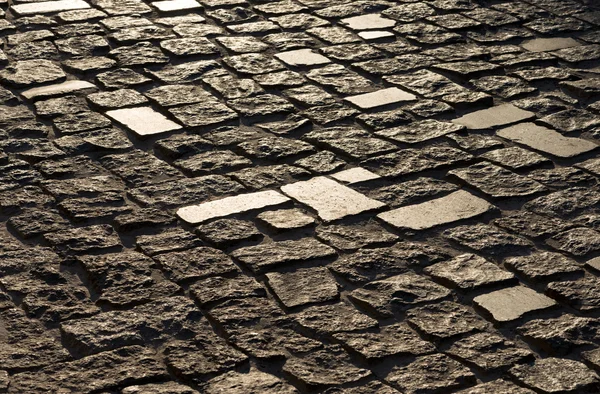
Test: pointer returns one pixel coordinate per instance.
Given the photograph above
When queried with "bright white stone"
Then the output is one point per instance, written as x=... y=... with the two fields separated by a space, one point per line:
x=48 y=7
x=375 y=34
x=456 y=206
x=354 y=175
x=302 y=57
x=368 y=22
x=176 y=5
x=57 y=89
x=230 y=205
x=330 y=199
x=380 y=98
x=143 y=120
x=546 y=140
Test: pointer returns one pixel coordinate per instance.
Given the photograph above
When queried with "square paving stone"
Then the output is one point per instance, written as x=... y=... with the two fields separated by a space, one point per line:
x=302 y=57
x=269 y=256
x=497 y=182
x=143 y=121
x=368 y=22
x=546 y=140
x=195 y=263
x=489 y=352
x=431 y=374
x=468 y=272
x=176 y=5
x=210 y=112
x=393 y=340
x=304 y=286
x=217 y=289
x=231 y=205
x=354 y=175
x=556 y=375
x=380 y=98
x=350 y=141
x=388 y=296
x=512 y=303
x=544 y=266
x=48 y=7
x=331 y=200
x=353 y=237
x=443 y=320
x=492 y=117
x=579 y=241
x=488 y=239
x=330 y=319
x=453 y=207
x=515 y=158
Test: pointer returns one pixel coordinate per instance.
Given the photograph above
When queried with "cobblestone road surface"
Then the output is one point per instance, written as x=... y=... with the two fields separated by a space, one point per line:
x=299 y=196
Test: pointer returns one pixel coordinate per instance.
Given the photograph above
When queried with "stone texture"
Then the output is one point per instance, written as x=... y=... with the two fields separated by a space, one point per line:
x=143 y=121
x=555 y=375
x=494 y=117
x=512 y=303
x=305 y=286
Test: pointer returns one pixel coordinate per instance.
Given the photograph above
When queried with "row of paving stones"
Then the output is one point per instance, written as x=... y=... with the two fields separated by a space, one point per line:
x=321 y=244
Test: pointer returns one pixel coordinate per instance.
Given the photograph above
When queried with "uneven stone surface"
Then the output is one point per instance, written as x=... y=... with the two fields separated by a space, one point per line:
x=299 y=196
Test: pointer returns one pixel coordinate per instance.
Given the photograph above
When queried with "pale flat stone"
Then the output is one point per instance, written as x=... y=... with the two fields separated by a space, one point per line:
x=496 y=116
x=381 y=98
x=143 y=120
x=331 y=200
x=230 y=205
x=456 y=206
x=48 y=7
x=549 y=44
x=57 y=89
x=302 y=57
x=510 y=304
x=355 y=175
x=375 y=34
x=546 y=140
x=368 y=22
x=176 y=5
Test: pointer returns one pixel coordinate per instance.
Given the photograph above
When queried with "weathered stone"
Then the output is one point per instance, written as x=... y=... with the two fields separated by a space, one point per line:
x=254 y=382
x=195 y=263
x=84 y=239
x=543 y=266
x=581 y=294
x=419 y=131
x=512 y=303
x=493 y=117
x=168 y=241
x=352 y=237
x=304 y=286
x=286 y=219
x=444 y=320
x=555 y=375
x=217 y=289
x=352 y=142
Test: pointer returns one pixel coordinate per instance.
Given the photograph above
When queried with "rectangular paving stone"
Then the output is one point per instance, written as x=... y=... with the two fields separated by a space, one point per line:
x=48 y=7
x=143 y=120
x=549 y=44
x=456 y=206
x=512 y=303
x=381 y=98
x=230 y=205
x=302 y=57
x=546 y=140
x=57 y=89
x=499 y=115
x=331 y=200
x=176 y=5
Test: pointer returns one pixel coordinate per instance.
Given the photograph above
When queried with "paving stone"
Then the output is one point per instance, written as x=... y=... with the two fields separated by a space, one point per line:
x=368 y=22
x=139 y=168
x=323 y=368
x=253 y=382
x=257 y=178
x=217 y=289
x=456 y=206
x=444 y=320
x=392 y=340
x=57 y=90
x=233 y=88
x=135 y=364
x=334 y=318
x=116 y=99
x=84 y=239
x=380 y=98
x=341 y=201
x=341 y=80
x=354 y=175
x=268 y=256
x=512 y=303
x=168 y=241
x=176 y=5
x=304 y=286
x=467 y=272
x=555 y=375
x=404 y=193
x=579 y=53
x=549 y=44
x=159 y=388
x=430 y=374
x=499 y=385
x=388 y=296
x=353 y=237
x=560 y=335
x=31 y=72
x=286 y=219
x=127 y=7
x=350 y=141
x=275 y=148
x=227 y=232
x=420 y=131
x=33 y=222
x=309 y=95
x=231 y=205
x=302 y=57
x=415 y=160
x=579 y=241
x=515 y=158
x=543 y=266
x=211 y=162
x=580 y=294
x=48 y=7
x=195 y=263
x=321 y=162
x=234 y=315
x=497 y=182
x=492 y=117
x=487 y=239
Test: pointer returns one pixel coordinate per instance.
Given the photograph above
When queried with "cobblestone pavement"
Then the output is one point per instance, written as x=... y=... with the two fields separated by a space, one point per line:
x=299 y=196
